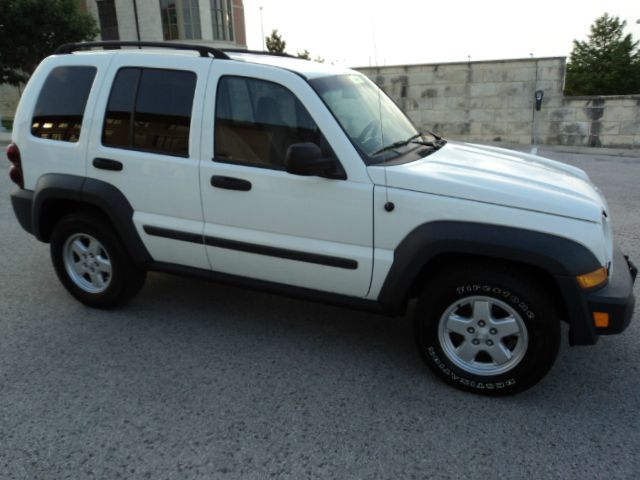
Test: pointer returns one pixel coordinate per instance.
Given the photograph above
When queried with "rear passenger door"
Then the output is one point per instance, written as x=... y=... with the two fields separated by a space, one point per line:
x=144 y=143
x=262 y=222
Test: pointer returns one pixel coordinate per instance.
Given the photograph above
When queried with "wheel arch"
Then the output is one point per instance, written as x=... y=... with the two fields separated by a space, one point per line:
x=58 y=194
x=442 y=262
x=432 y=247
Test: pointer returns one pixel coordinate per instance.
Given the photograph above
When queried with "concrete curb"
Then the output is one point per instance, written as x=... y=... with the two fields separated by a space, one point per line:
x=613 y=152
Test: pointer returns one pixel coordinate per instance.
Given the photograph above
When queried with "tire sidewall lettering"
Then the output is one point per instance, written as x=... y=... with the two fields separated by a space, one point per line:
x=527 y=297
x=465 y=381
x=500 y=293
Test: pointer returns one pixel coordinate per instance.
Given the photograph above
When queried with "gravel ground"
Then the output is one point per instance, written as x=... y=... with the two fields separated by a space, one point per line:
x=199 y=380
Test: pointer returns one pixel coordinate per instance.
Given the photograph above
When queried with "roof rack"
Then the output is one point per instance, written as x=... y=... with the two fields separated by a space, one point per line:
x=203 y=50
x=257 y=52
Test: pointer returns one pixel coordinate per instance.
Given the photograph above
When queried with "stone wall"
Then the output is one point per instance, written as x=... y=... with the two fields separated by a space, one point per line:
x=597 y=121
x=493 y=102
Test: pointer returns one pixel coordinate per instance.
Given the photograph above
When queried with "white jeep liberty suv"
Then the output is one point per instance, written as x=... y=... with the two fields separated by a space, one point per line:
x=301 y=178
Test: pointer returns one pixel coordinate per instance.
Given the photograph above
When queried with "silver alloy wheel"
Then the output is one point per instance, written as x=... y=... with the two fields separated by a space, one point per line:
x=87 y=263
x=483 y=335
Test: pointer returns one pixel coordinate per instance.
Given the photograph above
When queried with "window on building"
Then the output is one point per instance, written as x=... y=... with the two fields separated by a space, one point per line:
x=150 y=110
x=257 y=121
x=60 y=107
x=180 y=19
x=108 y=20
x=221 y=16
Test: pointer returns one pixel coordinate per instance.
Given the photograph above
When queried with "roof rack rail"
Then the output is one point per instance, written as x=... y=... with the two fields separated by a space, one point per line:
x=257 y=52
x=203 y=50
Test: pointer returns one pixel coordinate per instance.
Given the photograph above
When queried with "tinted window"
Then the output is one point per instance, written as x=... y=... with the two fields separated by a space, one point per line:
x=108 y=20
x=118 y=122
x=60 y=107
x=257 y=121
x=180 y=19
x=150 y=110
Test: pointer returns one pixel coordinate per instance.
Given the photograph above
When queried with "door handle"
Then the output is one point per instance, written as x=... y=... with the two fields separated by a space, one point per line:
x=107 y=164
x=230 y=183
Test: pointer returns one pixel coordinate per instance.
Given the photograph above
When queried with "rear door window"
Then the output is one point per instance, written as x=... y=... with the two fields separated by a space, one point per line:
x=61 y=103
x=150 y=110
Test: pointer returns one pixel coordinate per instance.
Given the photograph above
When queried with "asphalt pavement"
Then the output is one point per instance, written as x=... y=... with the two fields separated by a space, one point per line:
x=201 y=380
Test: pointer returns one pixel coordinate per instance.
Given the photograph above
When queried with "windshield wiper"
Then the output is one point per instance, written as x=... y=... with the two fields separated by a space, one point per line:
x=435 y=135
x=398 y=144
x=439 y=142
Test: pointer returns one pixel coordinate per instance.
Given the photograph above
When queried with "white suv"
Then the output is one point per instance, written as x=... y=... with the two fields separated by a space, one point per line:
x=302 y=178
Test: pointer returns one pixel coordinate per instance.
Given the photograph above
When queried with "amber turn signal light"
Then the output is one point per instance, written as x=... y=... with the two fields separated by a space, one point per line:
x=593 y=279
x=601 y=319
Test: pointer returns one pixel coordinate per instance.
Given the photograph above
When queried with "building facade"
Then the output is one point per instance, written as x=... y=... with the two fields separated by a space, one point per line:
x=219 y=23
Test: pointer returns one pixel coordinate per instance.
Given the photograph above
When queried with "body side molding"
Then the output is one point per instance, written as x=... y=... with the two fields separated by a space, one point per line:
x=285 y=253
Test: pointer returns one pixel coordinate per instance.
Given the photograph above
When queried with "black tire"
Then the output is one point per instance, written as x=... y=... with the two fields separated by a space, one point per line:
x=123 y=279
x=458 y=301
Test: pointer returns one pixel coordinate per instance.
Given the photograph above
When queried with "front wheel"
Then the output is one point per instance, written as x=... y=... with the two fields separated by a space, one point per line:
x=92 y=263
x=487 y=330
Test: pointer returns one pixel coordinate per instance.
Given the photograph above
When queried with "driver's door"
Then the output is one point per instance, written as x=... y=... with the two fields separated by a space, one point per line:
x=262 y=222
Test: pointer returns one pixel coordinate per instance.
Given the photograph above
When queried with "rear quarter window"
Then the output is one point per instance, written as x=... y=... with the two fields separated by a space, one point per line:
x=61 y=103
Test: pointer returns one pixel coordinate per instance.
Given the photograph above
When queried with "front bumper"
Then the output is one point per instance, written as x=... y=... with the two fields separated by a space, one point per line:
x=615 y=299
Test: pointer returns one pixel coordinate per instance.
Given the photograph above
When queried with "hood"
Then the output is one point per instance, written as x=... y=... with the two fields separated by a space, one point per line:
x=498 y=176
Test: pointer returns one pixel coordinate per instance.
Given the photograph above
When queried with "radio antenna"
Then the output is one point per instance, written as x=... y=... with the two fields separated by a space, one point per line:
x=388 y=206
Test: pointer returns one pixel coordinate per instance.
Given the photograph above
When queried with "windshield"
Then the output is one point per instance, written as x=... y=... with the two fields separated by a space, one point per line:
x=360 y=107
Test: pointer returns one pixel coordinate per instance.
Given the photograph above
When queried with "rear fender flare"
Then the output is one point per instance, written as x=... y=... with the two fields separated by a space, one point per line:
x=94 y=193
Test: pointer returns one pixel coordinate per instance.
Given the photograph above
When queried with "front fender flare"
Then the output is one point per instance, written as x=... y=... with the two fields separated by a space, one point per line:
x=560 y=257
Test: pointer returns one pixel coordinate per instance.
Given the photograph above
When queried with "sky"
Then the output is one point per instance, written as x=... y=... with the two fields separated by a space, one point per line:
x=357 y=32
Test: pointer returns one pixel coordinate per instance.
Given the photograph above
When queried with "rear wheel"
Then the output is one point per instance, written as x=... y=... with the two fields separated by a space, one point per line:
x=92 y=263
x=487 y=330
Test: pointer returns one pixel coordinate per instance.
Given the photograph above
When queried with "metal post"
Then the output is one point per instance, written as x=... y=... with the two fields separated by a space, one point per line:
x=534 y=123
x=262 y=28
x=135 y=14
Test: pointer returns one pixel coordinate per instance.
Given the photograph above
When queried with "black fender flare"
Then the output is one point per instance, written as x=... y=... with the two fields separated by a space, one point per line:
x=560 y=257
x=94 y=193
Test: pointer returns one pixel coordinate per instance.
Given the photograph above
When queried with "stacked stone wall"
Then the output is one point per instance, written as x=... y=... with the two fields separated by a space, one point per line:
x=598 y=121
x=493 y=102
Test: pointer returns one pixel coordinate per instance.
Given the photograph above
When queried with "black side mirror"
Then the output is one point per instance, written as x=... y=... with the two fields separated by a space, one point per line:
x=306 y=159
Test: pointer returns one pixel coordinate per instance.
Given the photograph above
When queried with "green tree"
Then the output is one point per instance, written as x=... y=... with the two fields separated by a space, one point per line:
x=608 y=63
x=305 y=55
x=30 y=30
x=275 y=43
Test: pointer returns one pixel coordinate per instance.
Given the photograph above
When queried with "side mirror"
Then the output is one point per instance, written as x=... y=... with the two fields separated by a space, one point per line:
x=306 y=159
